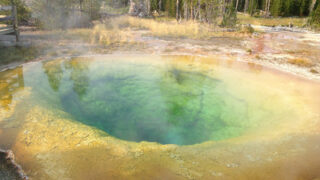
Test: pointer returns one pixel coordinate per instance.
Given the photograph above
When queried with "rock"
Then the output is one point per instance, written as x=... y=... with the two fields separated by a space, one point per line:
x=9 y=170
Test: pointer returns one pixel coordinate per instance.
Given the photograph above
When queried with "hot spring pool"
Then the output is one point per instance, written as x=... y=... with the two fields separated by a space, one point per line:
x=49 y=106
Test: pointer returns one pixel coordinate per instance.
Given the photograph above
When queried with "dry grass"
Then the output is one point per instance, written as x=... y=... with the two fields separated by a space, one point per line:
x=119 y=30
x=101 y=34
x=104 y=35
x=301 y=62
x=171 y=28
x=247 y=19
x=299 y=51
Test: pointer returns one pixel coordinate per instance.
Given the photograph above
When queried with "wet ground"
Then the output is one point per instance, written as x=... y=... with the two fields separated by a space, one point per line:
x=269 y=47
x=291 y=50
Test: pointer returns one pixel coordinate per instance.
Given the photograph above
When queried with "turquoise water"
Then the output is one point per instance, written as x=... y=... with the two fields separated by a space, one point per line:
x=140 y=102
x=141 y=99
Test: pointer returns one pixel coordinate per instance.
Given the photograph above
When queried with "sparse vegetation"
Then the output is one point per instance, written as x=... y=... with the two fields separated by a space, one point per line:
x=166 y=27
x=301 y=62
x=280 y=21
x=247 y=29
x=257 y=57
x=315 y=17
x=171 y=28
x=103 y=35
x=314 y=71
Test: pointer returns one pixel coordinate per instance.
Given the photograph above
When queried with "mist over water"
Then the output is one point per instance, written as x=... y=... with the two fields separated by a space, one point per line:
x=92 y=114
x=143 y=102
x=162 y=100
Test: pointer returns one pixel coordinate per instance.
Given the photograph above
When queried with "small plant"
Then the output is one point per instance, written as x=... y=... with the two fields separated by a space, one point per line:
x=248 y=29
x=103 y=34
x=249 y=51
x=314 y=71
x=301 y=62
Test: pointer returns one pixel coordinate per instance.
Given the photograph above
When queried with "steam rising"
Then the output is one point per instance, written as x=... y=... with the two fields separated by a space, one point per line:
x=63 y=14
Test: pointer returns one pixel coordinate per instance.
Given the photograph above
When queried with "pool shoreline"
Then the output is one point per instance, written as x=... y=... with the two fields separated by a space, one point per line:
x=289 y=69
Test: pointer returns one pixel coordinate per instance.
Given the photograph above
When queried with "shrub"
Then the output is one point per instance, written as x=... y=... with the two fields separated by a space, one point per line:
x=247 y=29
x=314 y=71
x=301 y=62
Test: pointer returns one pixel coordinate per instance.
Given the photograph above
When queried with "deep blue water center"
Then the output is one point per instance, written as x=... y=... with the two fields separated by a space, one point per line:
x=132 y=101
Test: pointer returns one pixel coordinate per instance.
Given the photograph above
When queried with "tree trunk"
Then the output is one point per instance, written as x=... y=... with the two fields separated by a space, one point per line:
x=160 y=5
x=252 y=10
x=246 y=5
x=132 y=8
x=80 y=3
x=237 y=4
x=90 y=9
x=312 y=6
x=177 y=10
x=148 y=7
x=185 y=10
x=268 y=7
x=191 y=12
x=223 y=7
x=199 y=10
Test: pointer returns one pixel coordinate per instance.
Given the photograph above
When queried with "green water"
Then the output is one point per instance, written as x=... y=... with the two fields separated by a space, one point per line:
x=144 y=103
x=155 y=100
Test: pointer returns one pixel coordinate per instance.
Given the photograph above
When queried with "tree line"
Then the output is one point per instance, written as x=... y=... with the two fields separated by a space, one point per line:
x=196 y=8
x=210 y=10
x=224 y=12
